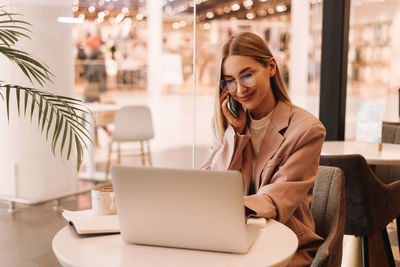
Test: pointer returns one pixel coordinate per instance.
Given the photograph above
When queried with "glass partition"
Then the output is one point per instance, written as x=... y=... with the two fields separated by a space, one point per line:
x=140 y=38
x=272 y=20
x=373 y=60
x=136 y=53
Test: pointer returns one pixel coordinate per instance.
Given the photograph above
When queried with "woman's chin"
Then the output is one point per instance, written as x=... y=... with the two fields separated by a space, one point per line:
x=248 y=106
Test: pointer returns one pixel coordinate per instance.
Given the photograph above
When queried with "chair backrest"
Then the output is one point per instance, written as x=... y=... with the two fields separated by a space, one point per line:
x=368 y=208
x=133 y=123
x=391 y=133
x=328 y=210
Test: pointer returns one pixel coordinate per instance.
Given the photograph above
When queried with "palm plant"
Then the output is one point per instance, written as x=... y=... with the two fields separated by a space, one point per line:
x=60 y=117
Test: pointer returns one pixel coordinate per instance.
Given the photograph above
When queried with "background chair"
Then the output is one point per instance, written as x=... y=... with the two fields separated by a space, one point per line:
x=328 y=210
x=132 y=124
x=370 y=204
x=389 y=174
x=391 y=135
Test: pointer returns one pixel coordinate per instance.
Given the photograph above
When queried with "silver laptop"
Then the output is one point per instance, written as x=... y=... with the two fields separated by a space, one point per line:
x=191 y=209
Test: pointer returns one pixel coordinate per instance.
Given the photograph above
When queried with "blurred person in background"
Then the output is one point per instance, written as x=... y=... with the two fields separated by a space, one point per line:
x=95 y=71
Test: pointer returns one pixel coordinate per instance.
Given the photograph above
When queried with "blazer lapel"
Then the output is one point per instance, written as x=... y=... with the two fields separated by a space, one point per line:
x=272 y=139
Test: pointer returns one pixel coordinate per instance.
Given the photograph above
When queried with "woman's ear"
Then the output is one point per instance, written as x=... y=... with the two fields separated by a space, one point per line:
x=272 y=67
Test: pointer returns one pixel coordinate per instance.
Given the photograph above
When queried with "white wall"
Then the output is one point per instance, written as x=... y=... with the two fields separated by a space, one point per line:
x=28 y=168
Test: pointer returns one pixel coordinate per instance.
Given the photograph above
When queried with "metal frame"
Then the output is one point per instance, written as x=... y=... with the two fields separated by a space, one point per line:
x=143 y=154
x=56 y=198
x=335 y=38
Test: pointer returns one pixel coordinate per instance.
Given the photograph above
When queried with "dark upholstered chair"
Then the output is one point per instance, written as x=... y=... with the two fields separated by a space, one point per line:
x=391 y=135
x=389 y=174
x=370 y=204
x=328 y=210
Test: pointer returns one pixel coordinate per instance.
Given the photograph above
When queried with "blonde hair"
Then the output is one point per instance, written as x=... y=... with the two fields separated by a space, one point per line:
x=250 y=45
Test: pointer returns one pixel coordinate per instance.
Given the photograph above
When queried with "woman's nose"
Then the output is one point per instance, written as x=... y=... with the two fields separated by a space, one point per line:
x=240 y=88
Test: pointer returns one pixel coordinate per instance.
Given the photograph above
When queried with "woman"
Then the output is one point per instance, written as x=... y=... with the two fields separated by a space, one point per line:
x=274 y=144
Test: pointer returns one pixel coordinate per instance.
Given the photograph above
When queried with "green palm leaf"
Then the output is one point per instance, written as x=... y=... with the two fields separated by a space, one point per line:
x=32 y=68
x=64 y=118
x=69 y=125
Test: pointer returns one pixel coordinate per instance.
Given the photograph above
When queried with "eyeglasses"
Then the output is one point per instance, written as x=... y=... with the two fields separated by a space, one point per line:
x=247 y=79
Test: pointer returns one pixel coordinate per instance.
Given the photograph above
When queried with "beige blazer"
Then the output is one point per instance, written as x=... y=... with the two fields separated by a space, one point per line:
x=285 y=170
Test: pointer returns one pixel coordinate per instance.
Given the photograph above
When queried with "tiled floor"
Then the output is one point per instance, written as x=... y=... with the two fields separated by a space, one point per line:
x=25 y=237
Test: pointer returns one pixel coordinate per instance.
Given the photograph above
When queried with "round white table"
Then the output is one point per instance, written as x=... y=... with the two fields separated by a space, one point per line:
x=275 y=246
x=390 y=154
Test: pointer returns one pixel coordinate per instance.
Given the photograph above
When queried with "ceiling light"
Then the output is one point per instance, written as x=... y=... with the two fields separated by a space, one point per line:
x=127 y=20
x=281 y=8
x=91 y=9
x=119 y=17
x=101 y=14
x=250 y=16
x=75 y=8
x=125 y=10
x=235 y=7
x=263 y=0
x=182 y=23
x=210 y=15
x=248 y=4
x=101 y=3
x=81 y=16
x=227 y=9
x=181 y=8
x=70 y=20
x=271 y=10
x=206 y=26
x=175 y=25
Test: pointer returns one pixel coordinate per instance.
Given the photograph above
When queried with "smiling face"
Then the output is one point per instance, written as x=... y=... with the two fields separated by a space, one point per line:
x=259 y=98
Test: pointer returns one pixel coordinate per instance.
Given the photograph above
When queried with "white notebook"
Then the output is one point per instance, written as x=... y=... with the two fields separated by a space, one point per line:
x=86 y=222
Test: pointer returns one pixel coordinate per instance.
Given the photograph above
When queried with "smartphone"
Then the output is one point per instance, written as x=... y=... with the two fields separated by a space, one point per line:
x=234 y=107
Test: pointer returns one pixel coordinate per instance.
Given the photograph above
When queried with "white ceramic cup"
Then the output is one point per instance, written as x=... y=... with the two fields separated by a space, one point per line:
x=103 y=201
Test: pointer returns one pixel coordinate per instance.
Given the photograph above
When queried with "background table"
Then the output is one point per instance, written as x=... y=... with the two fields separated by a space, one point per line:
x=395 y=121
x=390 y=154
x=89 y=160
x=275 y=246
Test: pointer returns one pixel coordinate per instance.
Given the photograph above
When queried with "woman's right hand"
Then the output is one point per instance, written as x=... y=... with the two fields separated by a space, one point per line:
x=237 y=123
